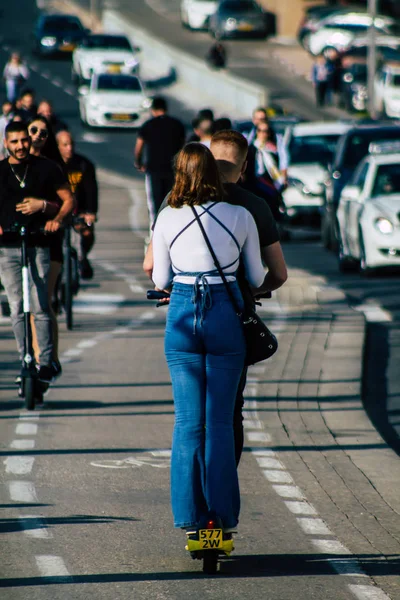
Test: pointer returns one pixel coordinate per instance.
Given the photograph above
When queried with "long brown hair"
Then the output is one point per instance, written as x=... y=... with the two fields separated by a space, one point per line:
x=197 y=179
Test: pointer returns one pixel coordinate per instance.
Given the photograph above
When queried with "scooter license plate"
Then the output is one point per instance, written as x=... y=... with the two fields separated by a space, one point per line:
x=210 y=539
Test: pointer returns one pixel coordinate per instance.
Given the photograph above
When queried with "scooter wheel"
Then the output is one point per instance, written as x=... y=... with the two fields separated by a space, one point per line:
x=29 y=392
x=210 y=562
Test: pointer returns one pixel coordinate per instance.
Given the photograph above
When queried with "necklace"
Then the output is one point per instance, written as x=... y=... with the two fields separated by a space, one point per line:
x=20 y=180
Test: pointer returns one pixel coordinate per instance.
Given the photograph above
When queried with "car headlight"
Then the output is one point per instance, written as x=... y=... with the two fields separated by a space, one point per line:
x=146 y=103
x=48 y=41
x=132 y=62
x=384 y=225
x=230 y=23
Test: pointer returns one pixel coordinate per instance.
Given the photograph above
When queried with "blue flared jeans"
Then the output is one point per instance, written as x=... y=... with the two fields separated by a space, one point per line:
x=205 y=351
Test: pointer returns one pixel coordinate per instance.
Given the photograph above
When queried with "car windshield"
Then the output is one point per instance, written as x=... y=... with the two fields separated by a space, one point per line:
x=237 y=6
x=313 y=148
x=387 y=180
x=118 y=83
x=62 y=24
x=116 y=42
x=358 y=145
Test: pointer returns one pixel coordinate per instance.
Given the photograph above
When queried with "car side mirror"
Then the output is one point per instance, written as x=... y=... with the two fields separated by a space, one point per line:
x=137 y=49
x=351 y=192
x=83 y=90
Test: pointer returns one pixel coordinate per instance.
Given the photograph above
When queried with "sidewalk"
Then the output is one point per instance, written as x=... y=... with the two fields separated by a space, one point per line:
x=308 y=400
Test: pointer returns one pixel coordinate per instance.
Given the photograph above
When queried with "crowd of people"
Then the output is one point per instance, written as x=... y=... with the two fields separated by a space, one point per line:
x=47 y=186
x=230 y=183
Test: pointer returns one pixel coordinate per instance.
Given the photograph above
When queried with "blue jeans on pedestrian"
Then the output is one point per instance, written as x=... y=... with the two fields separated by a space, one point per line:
x=205 y=351
x=11 y=278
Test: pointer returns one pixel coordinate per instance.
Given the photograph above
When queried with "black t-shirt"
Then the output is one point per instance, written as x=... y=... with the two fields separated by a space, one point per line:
x=43 y=178
x=164 y=136
x=82 y=179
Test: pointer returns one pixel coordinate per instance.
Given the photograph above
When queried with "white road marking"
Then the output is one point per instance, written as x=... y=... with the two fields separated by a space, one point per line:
x=269 y=463
x=57 y=82
x=23 y=444
x=368 y=592
x=73 y=352
x=69 y=91
x=131 y=280
x=26 y=429
x=86 y=344
x=148 y=315
x=289 y=491
x=248 y=424
x=313 y=526
x=331 y=547
x=347 y=566
x=34 y=526
x=300 y=508
x=99 y=304
x=45 y=74
x=93 y=138
x=29 y=416
x=374 y=313
x=265 y=452
x=22 y=491
x=258 y=436
x=278 y=476
x=51 y=566
x=19 y=465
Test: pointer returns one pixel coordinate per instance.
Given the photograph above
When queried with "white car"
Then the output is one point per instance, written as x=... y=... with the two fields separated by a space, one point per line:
x=311 y=147
x=195 y=14
x=101 y=53
x=113 y=100
x=369 y=211
x=387 y=90
x=340 y=30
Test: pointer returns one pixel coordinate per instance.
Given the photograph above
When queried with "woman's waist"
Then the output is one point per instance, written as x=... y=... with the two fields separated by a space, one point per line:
x=192 y=278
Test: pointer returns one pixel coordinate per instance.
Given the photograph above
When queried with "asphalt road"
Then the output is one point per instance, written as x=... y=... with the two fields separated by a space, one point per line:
x=85 y=481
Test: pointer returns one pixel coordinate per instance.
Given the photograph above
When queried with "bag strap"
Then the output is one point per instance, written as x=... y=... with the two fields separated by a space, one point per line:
x=217 y=264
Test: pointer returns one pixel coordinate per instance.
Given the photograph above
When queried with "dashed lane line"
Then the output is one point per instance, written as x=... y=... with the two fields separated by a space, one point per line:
x=52 y=566
x=19 y=465
x=22 y=491
x=34 y=527
x=26 y=429
x=22 y=444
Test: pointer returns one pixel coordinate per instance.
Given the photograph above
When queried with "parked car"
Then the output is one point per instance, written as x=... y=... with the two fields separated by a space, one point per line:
x=239 y=18
x=354 y=87
x=315 y=14
x=113 y=100
x=104 y=52
x=55 y=34
x=352 y=147
x=340 y=30
x=369 y=210
x=195 y=14
x=387 y=90
x=311 y=147
x=387 y=49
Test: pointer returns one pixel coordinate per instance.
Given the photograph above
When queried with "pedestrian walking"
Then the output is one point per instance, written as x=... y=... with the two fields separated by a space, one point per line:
x=25 y=105
x=320 y=77
x=204 y=342
x=15 y=74
x=216 y=56
x=159 y=140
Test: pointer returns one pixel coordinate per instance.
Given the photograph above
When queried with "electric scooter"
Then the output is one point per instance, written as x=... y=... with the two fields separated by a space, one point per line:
x=30 y=388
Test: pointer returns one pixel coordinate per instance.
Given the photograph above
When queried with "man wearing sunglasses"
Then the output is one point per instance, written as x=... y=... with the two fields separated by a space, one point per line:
x=30 y=187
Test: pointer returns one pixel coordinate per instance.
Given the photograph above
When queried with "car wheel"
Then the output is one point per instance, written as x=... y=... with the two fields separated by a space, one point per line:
x=365 y=269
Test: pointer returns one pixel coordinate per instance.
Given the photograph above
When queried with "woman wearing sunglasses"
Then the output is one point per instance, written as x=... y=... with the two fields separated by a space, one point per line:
x=44 y=144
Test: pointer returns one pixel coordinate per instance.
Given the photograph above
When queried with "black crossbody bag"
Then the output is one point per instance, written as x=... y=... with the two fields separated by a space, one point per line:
x=260 y=341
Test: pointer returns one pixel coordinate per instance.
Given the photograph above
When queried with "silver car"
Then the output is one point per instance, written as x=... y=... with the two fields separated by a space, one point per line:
x=239 y=18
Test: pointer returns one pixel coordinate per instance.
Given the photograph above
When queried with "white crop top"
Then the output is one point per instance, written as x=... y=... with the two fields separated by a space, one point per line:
x=179 y=246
